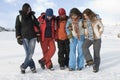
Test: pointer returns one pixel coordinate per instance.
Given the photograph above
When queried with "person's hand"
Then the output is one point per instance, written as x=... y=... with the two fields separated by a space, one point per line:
x=70 y=28
x=20 y=41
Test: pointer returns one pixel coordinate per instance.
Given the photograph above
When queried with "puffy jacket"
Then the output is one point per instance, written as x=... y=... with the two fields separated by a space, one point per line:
x=61 y=26
x=25 y=27
x=42 y=21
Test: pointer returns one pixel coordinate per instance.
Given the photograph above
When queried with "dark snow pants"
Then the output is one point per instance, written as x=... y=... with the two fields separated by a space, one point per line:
x=63 y=52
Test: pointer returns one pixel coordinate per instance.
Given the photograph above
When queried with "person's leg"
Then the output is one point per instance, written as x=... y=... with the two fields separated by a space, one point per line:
x=96 y=47
x=66 y=51
x=72 y=55
x=86 y=50
x=25 y=45
x=80 y=59
x=61 y=59
x=50 y=53
x=44 y=46
x=32 y=44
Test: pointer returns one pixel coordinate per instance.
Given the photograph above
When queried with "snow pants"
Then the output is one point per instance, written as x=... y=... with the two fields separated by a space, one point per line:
x=63 y=52
x=48 y=49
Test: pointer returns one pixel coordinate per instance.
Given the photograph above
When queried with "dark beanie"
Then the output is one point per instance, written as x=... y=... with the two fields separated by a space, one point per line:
x=49 y=12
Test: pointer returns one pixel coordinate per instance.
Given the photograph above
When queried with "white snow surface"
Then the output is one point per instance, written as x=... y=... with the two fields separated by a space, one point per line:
x=12 y=55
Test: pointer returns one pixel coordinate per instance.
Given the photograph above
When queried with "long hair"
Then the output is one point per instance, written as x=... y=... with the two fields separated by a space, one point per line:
x=90 y=14
x=25 y=8
x=76 y=12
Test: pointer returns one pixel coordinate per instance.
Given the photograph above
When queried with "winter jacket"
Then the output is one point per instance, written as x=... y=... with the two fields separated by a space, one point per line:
x=61 y=26
x=42 y=21
x=97 y=30
x=25 y=27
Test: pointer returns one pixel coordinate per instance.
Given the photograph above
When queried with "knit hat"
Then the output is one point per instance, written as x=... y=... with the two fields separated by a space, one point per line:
x=49 y=12
x=61 y=11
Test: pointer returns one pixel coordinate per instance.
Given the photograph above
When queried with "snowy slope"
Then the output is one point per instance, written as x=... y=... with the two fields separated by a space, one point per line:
x=12 y=55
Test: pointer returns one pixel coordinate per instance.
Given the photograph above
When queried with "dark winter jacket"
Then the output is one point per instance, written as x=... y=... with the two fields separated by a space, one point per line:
x=25 y=26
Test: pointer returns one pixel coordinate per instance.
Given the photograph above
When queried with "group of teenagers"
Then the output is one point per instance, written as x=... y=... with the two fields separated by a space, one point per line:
x=74 y=35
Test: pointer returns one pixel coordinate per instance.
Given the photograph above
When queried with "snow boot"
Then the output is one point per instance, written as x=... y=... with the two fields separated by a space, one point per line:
x=42 y=63
x=22 y=70
x=89 y=63
x=33 y=70
x=51 y=68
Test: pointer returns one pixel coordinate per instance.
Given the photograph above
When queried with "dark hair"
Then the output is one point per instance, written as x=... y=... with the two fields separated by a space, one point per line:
x=25 y=7
x=90 y=14
x=76 y=12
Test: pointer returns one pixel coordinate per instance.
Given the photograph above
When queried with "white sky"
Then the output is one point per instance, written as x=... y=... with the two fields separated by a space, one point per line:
x=108 y=10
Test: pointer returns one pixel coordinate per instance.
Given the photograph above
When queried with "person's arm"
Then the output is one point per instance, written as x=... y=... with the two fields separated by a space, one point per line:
x=18 y=27
x=18 y=30
x=69 y=28
x=101 y=27
x=36 y=26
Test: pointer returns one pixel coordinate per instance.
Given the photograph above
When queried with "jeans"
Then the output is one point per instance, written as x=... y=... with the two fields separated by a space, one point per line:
x=72 y=55
x=96 y=49
x=29 y=46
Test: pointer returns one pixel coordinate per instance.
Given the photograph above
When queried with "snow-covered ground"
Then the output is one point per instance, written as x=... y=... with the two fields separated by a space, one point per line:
x=12 y=55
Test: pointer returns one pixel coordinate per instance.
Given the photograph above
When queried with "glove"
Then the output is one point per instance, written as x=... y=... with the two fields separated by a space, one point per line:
x=20 y=41
x=38 y=39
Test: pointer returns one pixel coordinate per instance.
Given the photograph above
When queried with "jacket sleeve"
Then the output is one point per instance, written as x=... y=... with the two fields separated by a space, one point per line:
x=18 y=26
x=67 y=25
x=36 y=25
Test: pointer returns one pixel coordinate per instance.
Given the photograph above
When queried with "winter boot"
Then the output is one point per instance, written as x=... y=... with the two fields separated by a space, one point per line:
x=22 y=70
x=79 y=69
x=33 y=70
x=42 y=63
x=51 y=68
x=71 y=69
x=95 y=69
x=89 y=63
x=62 y=68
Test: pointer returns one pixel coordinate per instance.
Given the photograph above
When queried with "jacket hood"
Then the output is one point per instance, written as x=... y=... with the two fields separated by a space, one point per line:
x=31 y=13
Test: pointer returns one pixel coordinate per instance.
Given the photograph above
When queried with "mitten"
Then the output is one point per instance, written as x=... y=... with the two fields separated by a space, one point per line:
x=20 y=41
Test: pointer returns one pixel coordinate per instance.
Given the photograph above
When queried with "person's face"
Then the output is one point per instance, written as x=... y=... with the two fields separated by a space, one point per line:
x=74 y=18
x=85 y=16
x=49 y=17
x=28 y=10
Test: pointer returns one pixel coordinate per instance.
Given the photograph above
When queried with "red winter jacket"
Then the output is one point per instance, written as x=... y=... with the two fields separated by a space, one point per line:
x=42 y=21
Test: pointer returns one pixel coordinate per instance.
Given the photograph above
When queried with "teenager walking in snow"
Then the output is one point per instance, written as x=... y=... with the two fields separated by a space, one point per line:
x=62 y=40
x=93 y=31
x=47 y=30
x=75 y=34
x=26 y=35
